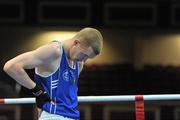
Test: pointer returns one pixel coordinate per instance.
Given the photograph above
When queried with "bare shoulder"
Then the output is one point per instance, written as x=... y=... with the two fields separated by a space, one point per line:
x=49 y=51
x=43 y=55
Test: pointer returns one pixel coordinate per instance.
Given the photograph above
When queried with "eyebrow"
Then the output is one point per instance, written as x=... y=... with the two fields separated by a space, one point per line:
x=90 y=56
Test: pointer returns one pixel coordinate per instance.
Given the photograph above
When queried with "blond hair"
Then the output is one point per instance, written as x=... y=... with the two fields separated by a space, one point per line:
x=91 y=37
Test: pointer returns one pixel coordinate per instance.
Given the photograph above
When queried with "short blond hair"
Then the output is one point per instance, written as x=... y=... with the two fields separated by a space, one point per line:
x=91 y=37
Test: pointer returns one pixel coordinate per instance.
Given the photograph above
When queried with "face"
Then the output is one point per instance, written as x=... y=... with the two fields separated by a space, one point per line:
x=81 y=53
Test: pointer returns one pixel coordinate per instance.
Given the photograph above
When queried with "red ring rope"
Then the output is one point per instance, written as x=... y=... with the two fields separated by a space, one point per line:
x=139 y=107
x=1 y=101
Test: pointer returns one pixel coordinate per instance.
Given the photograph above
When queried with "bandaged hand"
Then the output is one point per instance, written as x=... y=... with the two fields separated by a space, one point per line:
x=41 y=96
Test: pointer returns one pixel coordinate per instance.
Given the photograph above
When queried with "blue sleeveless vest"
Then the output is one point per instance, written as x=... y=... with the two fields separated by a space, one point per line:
x=62 y=88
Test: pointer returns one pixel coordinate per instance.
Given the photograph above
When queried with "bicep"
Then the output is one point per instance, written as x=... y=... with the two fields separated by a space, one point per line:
x=38 y=57
x=26 y=60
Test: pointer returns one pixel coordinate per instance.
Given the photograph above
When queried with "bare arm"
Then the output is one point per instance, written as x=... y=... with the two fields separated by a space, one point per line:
x=39 y=57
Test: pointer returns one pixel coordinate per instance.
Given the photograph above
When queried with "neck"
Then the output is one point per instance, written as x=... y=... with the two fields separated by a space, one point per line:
x=67 y=45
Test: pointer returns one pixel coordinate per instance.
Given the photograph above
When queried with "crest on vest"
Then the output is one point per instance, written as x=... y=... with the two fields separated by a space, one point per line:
x=65 y=75
x=68 y=75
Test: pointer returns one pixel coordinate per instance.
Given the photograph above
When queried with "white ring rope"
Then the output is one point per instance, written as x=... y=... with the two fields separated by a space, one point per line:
x=93 y=99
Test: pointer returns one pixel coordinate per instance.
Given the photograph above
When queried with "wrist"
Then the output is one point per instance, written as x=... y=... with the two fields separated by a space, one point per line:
x=41 y=96
x=37 y=90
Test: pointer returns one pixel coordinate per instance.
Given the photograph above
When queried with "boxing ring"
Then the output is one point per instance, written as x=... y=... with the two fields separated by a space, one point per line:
x=138 y=99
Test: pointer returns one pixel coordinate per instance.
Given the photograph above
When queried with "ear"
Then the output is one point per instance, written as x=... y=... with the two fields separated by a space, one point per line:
x=76 y=42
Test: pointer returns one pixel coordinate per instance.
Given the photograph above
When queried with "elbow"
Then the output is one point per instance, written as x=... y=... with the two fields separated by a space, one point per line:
x=8 y=67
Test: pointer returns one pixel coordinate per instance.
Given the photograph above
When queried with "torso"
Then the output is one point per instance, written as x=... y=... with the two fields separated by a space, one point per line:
x=47 y=69
x=60 y=82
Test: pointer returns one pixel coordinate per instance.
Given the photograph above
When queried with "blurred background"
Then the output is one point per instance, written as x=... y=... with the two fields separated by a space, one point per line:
x=141 y=53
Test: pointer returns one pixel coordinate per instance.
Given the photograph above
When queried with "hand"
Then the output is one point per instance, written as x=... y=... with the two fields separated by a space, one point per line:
x=39 y=111
x=41 y=96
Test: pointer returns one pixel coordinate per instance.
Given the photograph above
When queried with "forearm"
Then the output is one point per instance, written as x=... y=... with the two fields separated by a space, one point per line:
x=20 y=75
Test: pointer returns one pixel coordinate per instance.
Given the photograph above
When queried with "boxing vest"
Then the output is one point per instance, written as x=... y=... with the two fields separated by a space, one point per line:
x=61 y=86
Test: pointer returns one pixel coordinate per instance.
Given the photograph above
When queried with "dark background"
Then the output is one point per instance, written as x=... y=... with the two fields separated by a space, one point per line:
x=19 y=19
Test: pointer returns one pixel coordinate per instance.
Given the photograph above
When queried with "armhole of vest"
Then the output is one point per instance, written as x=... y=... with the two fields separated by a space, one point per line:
x=60 y=58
